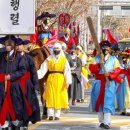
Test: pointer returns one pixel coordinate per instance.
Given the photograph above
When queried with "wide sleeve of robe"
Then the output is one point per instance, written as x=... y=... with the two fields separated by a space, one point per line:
x=67 y=73
x=115 y=74
x=94 y=68
x=33 y=73
x=84 y=60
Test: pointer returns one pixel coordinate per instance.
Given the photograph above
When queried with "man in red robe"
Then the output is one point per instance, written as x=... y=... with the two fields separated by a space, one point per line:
x=67 y=38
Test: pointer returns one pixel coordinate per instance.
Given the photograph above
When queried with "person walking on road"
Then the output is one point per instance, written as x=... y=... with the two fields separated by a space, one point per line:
x=102 y=94
x=57 y=83
x=76 y=89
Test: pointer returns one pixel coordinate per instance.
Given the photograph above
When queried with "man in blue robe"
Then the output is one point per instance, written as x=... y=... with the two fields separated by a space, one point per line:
x=103 y=94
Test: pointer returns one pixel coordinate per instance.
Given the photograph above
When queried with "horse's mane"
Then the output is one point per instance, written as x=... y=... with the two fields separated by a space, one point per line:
x=39 y=55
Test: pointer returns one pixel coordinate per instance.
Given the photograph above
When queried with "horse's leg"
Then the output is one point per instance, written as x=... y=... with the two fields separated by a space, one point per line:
x=42 y=86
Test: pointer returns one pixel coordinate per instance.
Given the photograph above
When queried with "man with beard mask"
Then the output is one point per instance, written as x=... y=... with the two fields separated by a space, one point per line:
x=57 y=83
x=102 y=94
x=67 y=38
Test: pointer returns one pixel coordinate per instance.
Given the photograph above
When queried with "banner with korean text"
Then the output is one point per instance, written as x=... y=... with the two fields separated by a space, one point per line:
x=17 y=16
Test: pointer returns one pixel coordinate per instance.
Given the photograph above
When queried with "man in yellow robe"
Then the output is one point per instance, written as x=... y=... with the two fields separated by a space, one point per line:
x=58 y=80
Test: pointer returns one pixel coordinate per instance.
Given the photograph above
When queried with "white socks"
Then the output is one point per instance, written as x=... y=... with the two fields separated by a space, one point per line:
x=53 y=112
x=104 y=118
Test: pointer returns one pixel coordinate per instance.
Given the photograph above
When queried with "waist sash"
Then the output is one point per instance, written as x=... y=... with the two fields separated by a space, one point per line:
x=100 y=100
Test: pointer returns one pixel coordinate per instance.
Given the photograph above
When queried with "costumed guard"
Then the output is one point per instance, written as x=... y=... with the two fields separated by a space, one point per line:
x=30 y=85
x=76 y=89
x=102 y=94
x=59 y=78
x=123 y=89
x=67 y=38
x=84 y=73
x=12 y=68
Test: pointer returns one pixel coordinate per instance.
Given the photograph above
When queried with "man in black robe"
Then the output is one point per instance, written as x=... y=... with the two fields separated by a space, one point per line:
x=30 y=85
x=12 y=68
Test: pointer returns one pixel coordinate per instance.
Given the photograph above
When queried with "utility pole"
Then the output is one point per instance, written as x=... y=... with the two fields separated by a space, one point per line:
x=85 y=32
x=99 y=28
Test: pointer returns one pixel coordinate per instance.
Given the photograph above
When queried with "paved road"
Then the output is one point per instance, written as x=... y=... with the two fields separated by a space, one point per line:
x=80 y=119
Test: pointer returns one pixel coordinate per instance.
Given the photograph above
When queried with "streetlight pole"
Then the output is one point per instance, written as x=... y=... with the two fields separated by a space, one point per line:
x=99 y=34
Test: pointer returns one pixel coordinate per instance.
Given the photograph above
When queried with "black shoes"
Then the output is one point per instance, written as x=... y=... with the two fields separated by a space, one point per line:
x=101 y=125
x=104 y=126
x=57 y=118
x=123 y=114
x=13 y=127
x=50 y=118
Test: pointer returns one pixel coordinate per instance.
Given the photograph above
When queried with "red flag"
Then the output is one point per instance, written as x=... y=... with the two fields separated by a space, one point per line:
x=111 y=38
x=34 y=37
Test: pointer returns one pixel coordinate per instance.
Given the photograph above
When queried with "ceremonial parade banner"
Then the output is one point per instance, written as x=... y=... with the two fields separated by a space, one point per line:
x=64 y=19
x=17 y=16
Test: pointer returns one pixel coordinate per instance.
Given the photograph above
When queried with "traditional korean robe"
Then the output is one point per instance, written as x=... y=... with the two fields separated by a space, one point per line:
x=123 y=90
x=55 y=94
x=76 y=89
x=102 y=95
x=32 y=84
x=12 y=101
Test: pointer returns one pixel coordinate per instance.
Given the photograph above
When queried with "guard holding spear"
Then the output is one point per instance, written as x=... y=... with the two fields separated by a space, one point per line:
x=106 y=70
x=103 y=94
